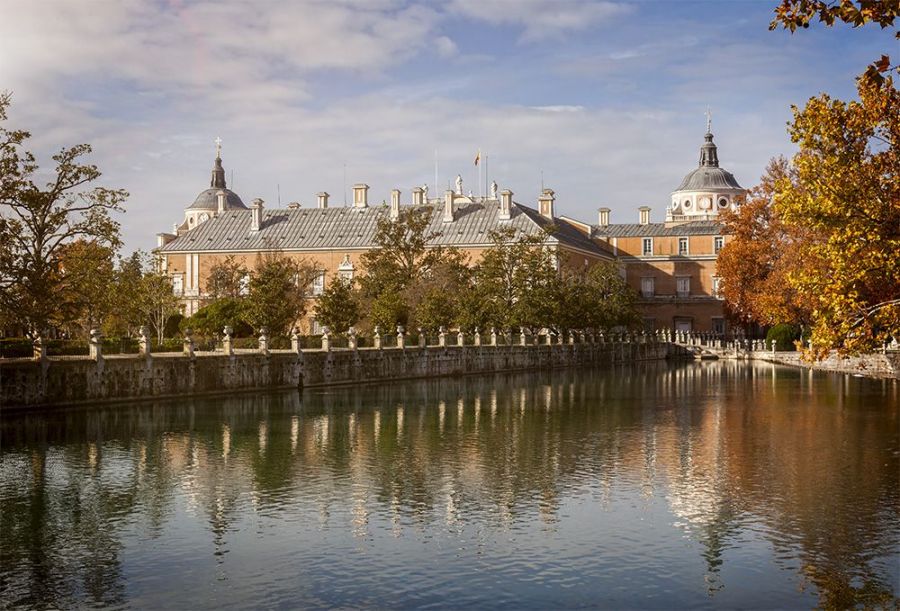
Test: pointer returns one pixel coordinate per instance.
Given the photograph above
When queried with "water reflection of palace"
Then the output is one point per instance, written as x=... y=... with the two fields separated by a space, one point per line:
x=726 y=447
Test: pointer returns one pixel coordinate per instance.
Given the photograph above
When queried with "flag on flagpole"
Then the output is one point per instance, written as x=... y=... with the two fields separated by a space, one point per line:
x=477 y=156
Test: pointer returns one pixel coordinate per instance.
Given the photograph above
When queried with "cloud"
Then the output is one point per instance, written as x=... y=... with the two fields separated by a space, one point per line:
x=446 y=47
x=542 y=19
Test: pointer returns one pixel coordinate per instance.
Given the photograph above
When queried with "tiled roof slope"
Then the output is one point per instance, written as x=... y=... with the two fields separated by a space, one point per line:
x=629 y=230
x=354 y=228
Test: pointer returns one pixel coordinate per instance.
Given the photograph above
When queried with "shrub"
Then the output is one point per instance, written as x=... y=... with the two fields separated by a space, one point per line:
x=784 y=335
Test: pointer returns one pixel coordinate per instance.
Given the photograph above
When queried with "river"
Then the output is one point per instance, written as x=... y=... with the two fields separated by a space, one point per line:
x=664 y=485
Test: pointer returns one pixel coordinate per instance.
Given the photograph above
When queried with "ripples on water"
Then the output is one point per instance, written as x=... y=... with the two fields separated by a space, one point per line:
x=661 y=486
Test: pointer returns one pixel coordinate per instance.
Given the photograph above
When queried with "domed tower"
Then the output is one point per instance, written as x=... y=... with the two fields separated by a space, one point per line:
x=217 y=198
x=706 y=190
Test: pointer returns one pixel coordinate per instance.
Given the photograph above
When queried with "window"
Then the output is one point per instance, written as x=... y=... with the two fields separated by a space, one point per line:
x=718 y=325
x=314 y=327
x=718 y=243
x=683 y=286
x=648 y=287
x=647 y=247
x=244 y=285
x=716 y=287
x=723 y=203
x=346 y=269
x=318 y=285
x=682 y=246
x=649 y=325
x=177 y=285
x=687 y=204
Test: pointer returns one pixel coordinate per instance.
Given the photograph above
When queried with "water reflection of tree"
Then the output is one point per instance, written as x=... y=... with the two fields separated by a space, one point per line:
x=486 y=450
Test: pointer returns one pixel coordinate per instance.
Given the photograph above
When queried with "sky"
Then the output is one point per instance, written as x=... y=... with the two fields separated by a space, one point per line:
x=602 y=101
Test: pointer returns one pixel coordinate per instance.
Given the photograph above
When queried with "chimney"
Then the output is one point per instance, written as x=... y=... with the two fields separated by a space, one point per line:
x=448 y=206
x=545 y=203
x=395 y=204
x=505 y=205
x=220 y=200
x=256 y=209
x=645 y=215
x=418 y=196
x=603 y=219
x=294 y=206
x=322 y=199
x=360 y=195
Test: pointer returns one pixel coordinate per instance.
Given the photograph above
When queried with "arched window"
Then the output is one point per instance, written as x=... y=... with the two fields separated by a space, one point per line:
x=687 y=204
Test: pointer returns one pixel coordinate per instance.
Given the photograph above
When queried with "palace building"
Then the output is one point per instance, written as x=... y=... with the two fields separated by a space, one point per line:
x=671 y=265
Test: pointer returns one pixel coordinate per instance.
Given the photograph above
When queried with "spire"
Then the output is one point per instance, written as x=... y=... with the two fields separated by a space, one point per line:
x=709 y=156
x=218 y=172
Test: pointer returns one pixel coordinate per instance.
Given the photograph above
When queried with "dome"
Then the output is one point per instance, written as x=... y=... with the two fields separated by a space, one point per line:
x=709 y=176
x=208 y=200
x=708 y=179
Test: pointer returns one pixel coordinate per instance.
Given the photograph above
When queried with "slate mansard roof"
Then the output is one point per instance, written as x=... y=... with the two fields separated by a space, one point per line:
x=652 y=230
x=302 y=229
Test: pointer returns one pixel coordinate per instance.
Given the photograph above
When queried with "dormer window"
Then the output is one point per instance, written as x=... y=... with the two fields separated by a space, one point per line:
x=723 y=203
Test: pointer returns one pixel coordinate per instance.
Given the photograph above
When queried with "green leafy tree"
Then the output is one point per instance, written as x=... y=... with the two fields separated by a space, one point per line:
x=88 y=270
x=518 y=281
x=211 y=320
x=38 y=222
x=612 y=303
x=404 y=268
x=156 y=302
x=338 y=306
x=277 y=295
x=225 y=279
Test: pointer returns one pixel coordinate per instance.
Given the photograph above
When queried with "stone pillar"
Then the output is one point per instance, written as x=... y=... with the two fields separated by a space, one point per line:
x=295 y=340
x=493 y=336
x=39 y=350
x=143 y=341
x=477 y=338
x=326 y=339
x=422 y=342
x=189 y=343
x=352 y=344
x=401 y=337
x=571 y=337
x=548 y=339
x=227 y=343
x=582 y=337
x=522 y=337
x=461 y=338
x=773 y=346
x=442 y=337
x=95 y=345
x=509 y=337
x=376 y=338
x=263 y=341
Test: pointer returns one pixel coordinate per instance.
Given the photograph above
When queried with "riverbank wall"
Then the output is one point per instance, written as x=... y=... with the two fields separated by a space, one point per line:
x=886 y=365
x=55 y=381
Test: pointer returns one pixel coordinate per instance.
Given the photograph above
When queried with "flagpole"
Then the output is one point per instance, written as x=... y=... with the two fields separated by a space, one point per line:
x=436 y=192
x=479 y=171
